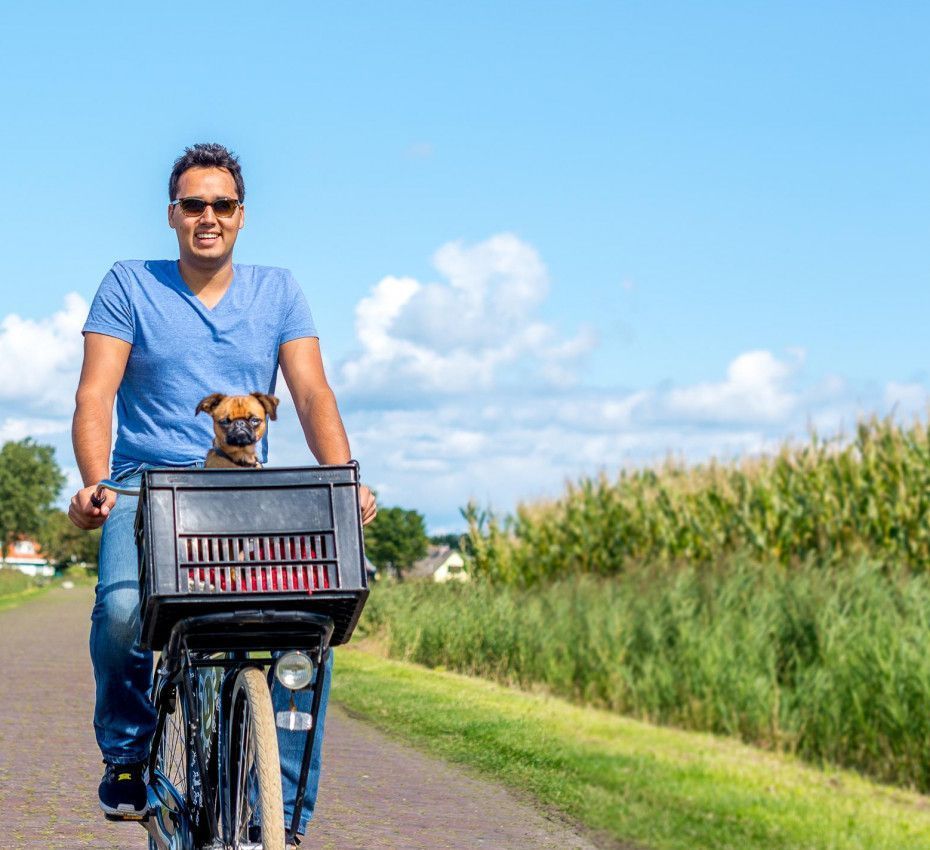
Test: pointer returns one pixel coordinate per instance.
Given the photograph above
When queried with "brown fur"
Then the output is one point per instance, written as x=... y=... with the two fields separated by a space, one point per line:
x=229 y=409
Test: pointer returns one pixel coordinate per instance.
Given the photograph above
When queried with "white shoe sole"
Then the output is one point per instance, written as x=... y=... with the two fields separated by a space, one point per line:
x=124 y=811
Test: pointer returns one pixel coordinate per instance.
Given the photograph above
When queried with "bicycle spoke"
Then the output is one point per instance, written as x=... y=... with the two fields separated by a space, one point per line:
x=242 y=775
x=174 y=756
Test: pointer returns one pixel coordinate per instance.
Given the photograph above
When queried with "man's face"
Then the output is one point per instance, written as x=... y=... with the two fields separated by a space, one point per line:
x=206 y=240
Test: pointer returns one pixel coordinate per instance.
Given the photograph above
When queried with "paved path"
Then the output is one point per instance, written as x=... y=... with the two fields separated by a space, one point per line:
x=376 y=794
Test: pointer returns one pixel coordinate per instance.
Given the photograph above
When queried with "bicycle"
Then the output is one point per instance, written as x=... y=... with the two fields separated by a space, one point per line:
x=241 y=593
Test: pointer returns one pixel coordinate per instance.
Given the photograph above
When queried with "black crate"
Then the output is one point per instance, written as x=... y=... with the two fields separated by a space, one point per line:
x=213 y=540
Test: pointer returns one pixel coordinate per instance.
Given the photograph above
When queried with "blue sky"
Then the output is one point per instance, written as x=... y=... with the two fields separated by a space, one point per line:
x=691 y=228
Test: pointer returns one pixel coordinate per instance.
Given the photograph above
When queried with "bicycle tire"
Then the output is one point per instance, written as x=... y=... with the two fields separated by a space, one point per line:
x=253 y=763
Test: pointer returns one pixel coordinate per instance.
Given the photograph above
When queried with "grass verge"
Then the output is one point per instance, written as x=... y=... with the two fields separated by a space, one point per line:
x=634 y=784
x=16 y=587
x=11 y=600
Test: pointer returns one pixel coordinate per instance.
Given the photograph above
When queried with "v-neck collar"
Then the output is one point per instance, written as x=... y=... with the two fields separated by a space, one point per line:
x=194 y=298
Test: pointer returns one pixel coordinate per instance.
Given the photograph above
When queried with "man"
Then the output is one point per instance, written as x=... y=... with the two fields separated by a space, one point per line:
x=160 y=336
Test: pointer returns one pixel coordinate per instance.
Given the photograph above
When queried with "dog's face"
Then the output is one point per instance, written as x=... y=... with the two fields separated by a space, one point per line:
x=239 y=420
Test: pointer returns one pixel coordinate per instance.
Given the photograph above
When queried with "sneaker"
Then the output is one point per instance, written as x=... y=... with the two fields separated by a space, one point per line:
x=123 y=792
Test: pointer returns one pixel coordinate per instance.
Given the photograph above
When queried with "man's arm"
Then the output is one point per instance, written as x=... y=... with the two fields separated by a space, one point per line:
x=315 y=401
x=105 y=360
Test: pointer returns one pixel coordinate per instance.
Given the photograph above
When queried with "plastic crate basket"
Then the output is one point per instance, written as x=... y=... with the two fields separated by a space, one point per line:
x=214 y=540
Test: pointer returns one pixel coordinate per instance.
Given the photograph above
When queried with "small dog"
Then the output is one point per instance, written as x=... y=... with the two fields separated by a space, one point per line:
x=239 y=423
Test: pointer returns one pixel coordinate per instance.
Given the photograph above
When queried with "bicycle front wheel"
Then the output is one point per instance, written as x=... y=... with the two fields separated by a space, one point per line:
x=169 y=780
x=253 y=774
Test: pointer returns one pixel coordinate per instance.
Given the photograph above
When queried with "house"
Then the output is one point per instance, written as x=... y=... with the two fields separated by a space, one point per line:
x=25 y=555
x=442 y=563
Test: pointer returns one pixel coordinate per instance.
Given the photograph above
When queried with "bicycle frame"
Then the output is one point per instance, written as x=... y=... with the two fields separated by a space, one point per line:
x=225 y=642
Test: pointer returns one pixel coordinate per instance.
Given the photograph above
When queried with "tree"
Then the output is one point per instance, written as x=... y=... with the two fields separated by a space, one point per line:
x=64 y=543
x=30 y=481
x=395 y=539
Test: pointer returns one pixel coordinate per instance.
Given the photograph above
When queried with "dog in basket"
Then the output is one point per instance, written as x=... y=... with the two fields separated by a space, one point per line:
x=239 y=422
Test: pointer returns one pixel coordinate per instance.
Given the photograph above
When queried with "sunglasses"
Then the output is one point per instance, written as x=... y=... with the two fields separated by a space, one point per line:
x=222 y=207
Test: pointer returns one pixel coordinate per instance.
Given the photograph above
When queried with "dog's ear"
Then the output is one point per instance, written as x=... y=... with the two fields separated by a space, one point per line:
x=269 y=402
x=208 y=404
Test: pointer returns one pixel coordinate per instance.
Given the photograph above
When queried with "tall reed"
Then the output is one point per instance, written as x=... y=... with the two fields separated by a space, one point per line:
x=831 y=663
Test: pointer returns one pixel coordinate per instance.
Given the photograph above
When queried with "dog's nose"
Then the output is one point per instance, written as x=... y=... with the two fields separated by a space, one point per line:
x=240 y=433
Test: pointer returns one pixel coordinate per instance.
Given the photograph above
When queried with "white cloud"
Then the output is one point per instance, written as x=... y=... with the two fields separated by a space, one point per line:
x=15 y=428
x=41 y=364
x=478 y=330
x=756 y=389
x=42 y=358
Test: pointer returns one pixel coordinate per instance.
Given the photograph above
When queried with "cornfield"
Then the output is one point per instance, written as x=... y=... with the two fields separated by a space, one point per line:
x=827 y=500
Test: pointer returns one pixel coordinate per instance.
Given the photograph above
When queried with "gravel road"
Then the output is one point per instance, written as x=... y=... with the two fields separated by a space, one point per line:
x=375 y=794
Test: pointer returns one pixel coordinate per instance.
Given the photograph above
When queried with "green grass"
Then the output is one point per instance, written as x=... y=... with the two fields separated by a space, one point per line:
x=15 y=587
x=657 y=788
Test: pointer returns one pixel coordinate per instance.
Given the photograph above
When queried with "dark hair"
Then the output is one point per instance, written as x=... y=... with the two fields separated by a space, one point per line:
x=210 y=155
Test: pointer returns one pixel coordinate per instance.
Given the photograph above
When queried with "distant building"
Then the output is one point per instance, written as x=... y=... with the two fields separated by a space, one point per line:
x=25 y=555
x=442 y=563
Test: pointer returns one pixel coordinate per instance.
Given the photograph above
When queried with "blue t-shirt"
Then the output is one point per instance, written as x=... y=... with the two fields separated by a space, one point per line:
x=183 y=351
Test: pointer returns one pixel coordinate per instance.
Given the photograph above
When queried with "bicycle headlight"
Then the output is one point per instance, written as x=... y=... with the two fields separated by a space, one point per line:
x=294 y=670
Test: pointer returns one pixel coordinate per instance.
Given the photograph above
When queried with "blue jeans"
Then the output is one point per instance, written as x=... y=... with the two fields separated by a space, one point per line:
x=124 y=717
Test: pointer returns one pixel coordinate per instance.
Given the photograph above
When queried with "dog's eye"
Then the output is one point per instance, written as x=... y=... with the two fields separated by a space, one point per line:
x=224 y=422
x=255 y=421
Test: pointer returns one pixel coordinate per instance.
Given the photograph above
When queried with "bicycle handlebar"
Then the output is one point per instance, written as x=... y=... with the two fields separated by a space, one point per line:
x=98 y=499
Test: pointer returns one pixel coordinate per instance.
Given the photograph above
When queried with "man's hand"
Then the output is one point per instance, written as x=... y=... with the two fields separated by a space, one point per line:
x=367 y=501
x=84 y=514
